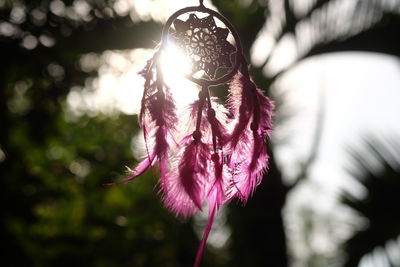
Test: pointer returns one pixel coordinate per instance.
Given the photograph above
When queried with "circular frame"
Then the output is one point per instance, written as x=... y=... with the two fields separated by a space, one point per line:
x=203 y=82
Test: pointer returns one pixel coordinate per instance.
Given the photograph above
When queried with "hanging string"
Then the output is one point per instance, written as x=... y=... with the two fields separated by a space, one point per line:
x=211 y=115
x=202 y=98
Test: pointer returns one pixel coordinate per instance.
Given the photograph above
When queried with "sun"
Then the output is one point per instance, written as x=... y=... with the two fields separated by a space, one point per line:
x=175 y=65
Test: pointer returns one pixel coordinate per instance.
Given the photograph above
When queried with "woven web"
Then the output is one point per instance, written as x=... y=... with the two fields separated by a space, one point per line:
x=204 y=43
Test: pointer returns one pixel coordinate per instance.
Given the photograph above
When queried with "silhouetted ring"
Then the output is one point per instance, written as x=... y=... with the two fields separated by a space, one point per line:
x=225 y=78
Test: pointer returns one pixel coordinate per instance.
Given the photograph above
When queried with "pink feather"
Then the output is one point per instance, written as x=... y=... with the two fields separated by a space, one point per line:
x=187 y=182
x=248 y=154
x=158 y=120
x=215 y=201
x=241 y=103
x=211 y=216
x=193 y=170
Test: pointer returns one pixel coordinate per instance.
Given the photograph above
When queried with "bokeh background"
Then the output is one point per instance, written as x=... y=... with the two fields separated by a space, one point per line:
x=69 y=95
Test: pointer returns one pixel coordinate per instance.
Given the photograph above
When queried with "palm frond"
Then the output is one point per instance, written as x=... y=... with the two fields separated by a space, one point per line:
x=379 y=172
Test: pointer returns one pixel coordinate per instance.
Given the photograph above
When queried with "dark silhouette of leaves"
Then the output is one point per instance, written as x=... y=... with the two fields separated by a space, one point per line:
x=379 y=173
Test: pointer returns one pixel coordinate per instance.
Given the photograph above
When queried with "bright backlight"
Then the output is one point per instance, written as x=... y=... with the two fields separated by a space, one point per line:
x=175 y=65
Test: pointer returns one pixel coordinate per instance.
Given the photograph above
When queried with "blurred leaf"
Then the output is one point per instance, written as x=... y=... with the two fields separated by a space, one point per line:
x=379 y=173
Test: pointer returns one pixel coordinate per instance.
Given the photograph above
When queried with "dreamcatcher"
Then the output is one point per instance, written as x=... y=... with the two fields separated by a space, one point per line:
x=218 y=152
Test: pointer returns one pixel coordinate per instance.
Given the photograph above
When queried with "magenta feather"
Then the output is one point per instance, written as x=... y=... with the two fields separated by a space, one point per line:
x=187 y=183
x=241 y=103
x=215 y=201
x=193 y=170
x=248 y=154
x=158 y=120
x=211 y=216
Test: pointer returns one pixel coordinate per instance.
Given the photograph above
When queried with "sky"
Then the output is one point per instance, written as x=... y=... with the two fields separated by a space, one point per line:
x=361 y=98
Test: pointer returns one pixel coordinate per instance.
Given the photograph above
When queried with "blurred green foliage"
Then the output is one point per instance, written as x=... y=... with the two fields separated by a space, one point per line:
x=57 y=213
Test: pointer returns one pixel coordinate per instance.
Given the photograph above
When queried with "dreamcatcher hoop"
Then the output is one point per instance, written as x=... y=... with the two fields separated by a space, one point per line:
x=239 y=53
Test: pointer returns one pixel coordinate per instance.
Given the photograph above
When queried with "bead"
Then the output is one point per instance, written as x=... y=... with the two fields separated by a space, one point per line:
x=202 y=94
x=215 y=157
x=196 y=135
x=211 y=113
x=253 y=126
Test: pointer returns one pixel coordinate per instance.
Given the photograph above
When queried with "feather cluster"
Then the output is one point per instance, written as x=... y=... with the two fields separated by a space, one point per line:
x=222 y=157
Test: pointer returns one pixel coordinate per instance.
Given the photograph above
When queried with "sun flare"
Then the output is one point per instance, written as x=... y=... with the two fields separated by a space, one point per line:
x=175 y=65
